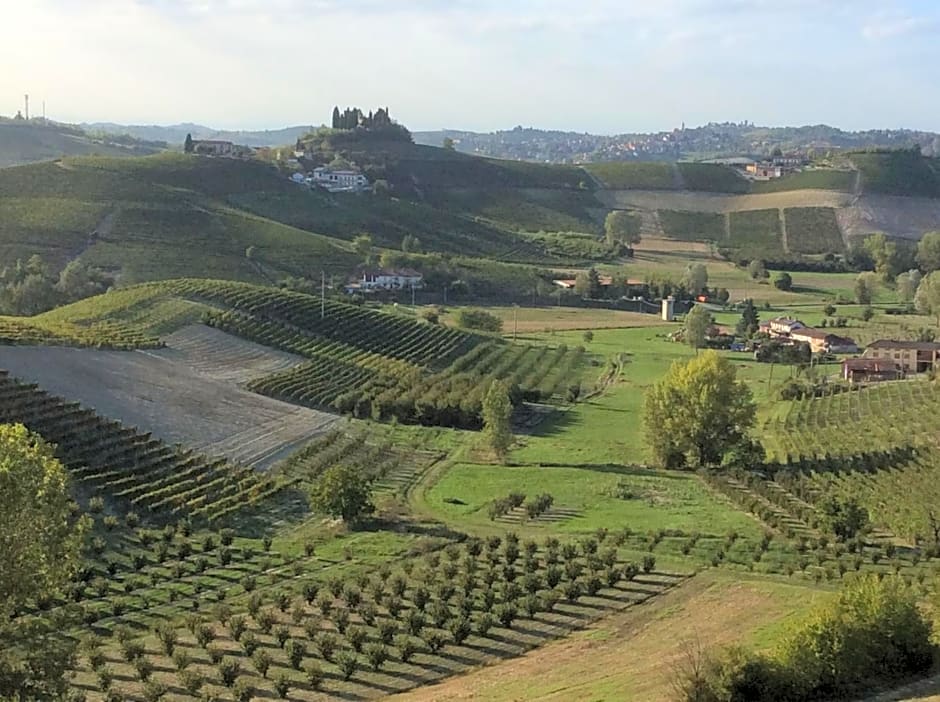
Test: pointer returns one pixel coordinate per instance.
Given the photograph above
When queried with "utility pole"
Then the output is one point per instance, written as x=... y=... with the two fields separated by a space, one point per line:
x=445 y=293
x=27 y=106
x=412 y=296
x=515 y=320
x=322 y=294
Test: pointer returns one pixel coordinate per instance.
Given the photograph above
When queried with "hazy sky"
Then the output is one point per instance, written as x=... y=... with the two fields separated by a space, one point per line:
x=603 y=66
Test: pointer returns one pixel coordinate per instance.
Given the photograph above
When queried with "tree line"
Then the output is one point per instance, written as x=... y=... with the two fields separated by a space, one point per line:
x=30 y=287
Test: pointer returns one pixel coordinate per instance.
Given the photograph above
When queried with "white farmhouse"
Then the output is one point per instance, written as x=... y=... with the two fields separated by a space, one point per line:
x=399 y=279
x=339 y=180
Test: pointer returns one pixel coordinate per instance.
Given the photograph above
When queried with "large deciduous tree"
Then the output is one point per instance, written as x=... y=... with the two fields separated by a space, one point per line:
x=928 y=252
x=697 y=412
x=865 y=285
x=40 y=548
x=907 y=284
x=697 y=323
x=497 y=419
x=927 y=299
x=621 y=226
x=344 y=492
x=696 y=278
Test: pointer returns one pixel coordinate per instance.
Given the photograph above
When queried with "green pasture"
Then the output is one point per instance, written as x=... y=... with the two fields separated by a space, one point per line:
x=657 y=500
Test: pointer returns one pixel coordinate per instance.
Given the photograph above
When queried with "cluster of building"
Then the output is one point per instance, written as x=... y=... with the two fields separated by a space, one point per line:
x=787 y=330
x=884 y=359
x=218 y=147
x=334 y=180
x=385 y=279
x=766 y=169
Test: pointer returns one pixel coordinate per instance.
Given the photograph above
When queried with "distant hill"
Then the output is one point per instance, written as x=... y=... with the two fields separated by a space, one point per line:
x=40 y=140
x=707 y=141
x=174 y=134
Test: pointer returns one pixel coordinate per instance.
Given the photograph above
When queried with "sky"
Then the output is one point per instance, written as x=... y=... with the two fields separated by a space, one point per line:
x=599 y=66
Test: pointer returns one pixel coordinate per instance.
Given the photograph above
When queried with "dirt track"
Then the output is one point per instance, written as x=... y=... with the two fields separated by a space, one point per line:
x=173 y=401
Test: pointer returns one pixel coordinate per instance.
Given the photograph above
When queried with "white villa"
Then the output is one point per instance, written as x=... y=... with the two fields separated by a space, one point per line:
x=346 y=180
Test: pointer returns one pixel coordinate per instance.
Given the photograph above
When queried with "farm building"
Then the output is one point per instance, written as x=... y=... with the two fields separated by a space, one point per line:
x=401 y=279
x=213 y=147
x=339 y=180
x=866 y=370
x=784 y=326
x=912 y=356
x=824 y=342
x=763 y=171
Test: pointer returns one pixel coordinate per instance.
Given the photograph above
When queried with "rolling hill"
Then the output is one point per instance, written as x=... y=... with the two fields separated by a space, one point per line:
x=38 y=140
x=172 y=215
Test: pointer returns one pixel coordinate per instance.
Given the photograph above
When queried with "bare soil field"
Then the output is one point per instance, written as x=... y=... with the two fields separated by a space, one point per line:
x=721 y=203
x=632 y=655
x=905 y=217
x=537 y=319
x=225 y=357
x=174 y=402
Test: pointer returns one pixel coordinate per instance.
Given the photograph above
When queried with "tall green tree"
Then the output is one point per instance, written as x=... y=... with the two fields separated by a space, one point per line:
x=336 y=118
x=621 y=226
x=756 y=269
x=928 y=252
x=750 y=320
x=907 y=283
x=865 y=285
x=588 y=284
x=497 y=419
x=884 y=253
x=40 y=549
x=188 y=144
x=697 y=412
x=343 y=491
x=697 y=323
x=696 y=278
x=927 y=299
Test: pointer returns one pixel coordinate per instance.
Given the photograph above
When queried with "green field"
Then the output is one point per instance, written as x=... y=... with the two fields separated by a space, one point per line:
x=816 y=179
x=712 y=178
x=813 y=230
x=693 y=226
x=898 y=173
x=634 y=176
x=755 y=234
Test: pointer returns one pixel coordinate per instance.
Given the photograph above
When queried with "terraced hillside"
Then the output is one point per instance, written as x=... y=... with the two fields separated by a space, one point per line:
x=130 y=467
x=339 y=357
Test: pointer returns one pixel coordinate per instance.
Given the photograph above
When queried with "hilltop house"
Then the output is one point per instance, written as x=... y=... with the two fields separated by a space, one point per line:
x=911 y=356
x=763 y=171
x=339 y=180
x=867 y=370
x=398 y=279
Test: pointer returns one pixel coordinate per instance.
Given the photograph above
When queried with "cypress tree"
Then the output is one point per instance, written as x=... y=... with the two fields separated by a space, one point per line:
x=336 y=117
x=188 y=144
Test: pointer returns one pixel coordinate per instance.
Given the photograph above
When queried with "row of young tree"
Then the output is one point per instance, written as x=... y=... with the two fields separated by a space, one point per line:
x=30 y=287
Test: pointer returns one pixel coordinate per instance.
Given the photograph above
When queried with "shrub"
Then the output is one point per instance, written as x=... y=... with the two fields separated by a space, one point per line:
x=479 y=320
x=314 y=674
x=191 y=681
x=649 y=563
x=485 y=623
x=242 y=690
x=261 y=659
x=356 y=636
x=406 y=647
x=326 y=645
x=229 y=668
x=376 y=654
x=295 y=650
x=434 y=640
x=348 y=663
x=282 y=685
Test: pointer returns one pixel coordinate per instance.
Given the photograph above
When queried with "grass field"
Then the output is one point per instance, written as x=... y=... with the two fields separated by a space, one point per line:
x=712 y=178
x=817 y=179
x=586 y=499
x=626 y=175
x=537 y=319
x=631 y=656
